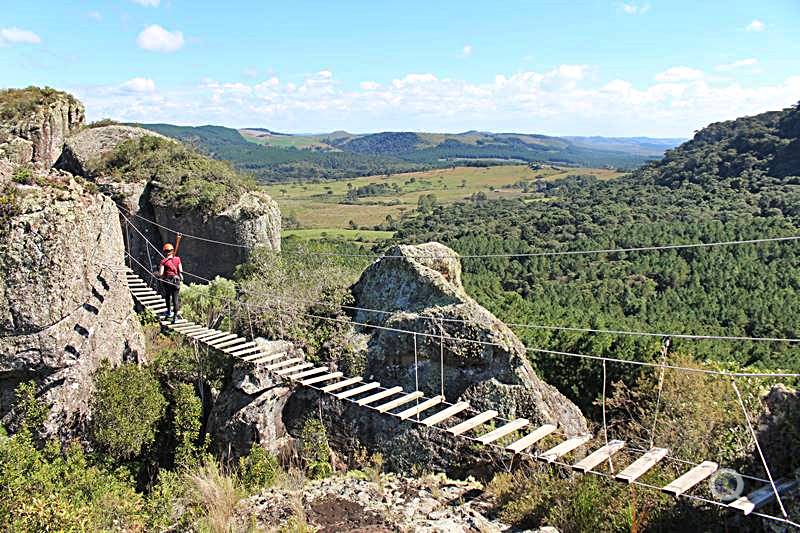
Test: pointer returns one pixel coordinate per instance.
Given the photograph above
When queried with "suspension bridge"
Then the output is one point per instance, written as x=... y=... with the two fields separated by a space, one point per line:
x=515 y=437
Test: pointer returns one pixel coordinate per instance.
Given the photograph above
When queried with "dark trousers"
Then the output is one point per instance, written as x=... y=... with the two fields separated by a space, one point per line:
x=172 y=295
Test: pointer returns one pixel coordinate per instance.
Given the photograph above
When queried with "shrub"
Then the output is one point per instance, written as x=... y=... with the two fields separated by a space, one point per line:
x=213 y=495
x=209 y=303
x=187 y=411
x=314 y=449
x=258 y=470
x=127 y=405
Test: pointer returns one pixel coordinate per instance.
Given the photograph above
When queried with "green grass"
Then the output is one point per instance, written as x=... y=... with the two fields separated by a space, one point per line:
x=301 y=142
x=333 y=233
x=318 y=205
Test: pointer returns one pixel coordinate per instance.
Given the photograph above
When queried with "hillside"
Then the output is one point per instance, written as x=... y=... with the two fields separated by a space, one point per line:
x=733 y=180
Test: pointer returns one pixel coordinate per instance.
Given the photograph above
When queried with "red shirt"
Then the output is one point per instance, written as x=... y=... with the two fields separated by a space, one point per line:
x=171 y=265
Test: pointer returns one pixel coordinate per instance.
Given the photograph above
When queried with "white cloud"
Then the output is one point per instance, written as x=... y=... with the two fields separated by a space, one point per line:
x=756 y=25
x=139 y=85
x=749 y=62
x=148 y=3
x=632 y=8
x=466 y=51
x=14 y=35
x=95 y=15
x=369 y=85
x=156 y=39
x=675 y=74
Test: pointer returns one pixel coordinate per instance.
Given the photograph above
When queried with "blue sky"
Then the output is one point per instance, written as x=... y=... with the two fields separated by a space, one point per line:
x=659 y=68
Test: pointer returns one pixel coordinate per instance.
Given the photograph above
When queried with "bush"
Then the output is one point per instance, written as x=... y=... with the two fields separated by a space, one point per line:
x=258 y=470
x=209 y=303
x=186 y=421
x=127 y=405
x=314 y=449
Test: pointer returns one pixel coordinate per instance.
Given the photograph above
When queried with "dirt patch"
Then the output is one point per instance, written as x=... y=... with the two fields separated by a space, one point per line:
x=332 y=514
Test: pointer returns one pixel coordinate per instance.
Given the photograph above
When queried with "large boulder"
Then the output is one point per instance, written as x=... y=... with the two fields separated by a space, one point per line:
x=418 y=288
x=84 y=151
x=43 y=118
x=63 y=306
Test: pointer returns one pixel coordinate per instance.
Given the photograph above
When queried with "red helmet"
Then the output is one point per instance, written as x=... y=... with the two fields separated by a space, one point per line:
x=167 y=247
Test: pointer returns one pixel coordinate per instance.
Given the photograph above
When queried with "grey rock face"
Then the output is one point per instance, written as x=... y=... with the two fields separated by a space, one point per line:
x=250 y=409
x=484 y=362
x=86 y=148
x=47 y=128
x=62 y=308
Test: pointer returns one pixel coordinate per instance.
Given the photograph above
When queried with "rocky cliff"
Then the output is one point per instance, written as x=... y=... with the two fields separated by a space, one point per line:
x=164 y=182
x=62 y=307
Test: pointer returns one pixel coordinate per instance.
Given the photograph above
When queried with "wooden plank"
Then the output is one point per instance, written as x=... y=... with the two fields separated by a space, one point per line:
x=222 y=339
x=760 y=497
x=285 y=362
x=641 y=465
x=599 y=456
x=341 y=384
x=321 y=379
x=293 y=369
x=531 y=438
x=379 y=395
x=306 y=373
x=180 y=325
x=399 y=401
x=503 y=430
x=358 y=390
x=196 y=334
x=473 y=422
x=187 y=330
x=232 y=342
x=564 y=448
x=258 y=359
x=444 y=414
x=691 y=478
x=251 y=350
x=211 y=335
x=417 y=409
x=238 y=347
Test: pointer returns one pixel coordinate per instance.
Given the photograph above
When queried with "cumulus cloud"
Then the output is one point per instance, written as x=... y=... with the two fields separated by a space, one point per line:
x=139 y=85
x=632 y=8
x=156 y=39
x=466 y=51
x=148 y=3
x=563 y=100
x=756 y=25
x=14 y=35
x=725 y=67
x=676 y=74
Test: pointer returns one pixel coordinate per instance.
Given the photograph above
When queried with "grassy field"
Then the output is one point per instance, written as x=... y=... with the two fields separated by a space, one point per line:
x=319 y=205
x=360 y=235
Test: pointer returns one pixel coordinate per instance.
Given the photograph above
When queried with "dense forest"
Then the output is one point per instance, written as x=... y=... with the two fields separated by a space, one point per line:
x=734 y=180
x=348 y=156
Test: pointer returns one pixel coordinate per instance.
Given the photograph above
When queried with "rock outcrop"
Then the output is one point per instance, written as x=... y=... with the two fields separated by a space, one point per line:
x=62 y=307
x=418 y=288
x=250 y=408
x=36 y=123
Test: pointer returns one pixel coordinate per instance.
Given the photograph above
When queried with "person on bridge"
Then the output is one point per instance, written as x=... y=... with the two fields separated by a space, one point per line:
x=170 y=271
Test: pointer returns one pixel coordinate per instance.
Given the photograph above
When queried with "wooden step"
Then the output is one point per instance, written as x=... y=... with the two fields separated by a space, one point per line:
x=307 y=373
x=251 y=350
x=292 y=369
x=229 y=343
x=321 y=379
x=222 y=339
x=641 y=465
x=211 y=335
x=388 y=406
x=245 y=346
x=195 y=334
x=144 y=293
x=185 y=324
x=444 y=414
x=187 y=330
x=259 y=359
x=357 y=390
x=518 y=446
x=284 y=363
x=599 y=456
x=764 y=495
x=503 y=430
x=691 y=478
x=472 y=423
x=564 y=448
x=417 y=409
x=342 y=384
x=379 y=395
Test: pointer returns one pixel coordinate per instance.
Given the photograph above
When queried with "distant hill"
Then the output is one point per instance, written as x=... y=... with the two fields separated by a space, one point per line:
x=275 y=157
